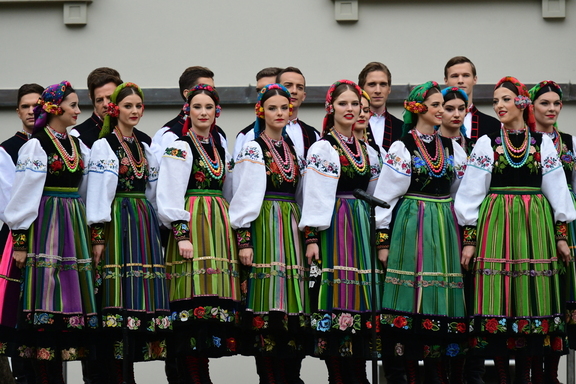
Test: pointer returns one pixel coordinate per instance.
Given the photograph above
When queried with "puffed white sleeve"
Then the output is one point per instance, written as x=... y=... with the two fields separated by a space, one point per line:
x=74 y=132
x=162 y=142
x=393 y=182
x=172 y=183
x=29 y=179
x=85 y=153
x=153 y=168
x=229 y=169
x=249 y=186
x=475 y=183
x=554 y=184
x=460 y=159
x=320 y=183
x=102 y=182
x=7 y=172
x=375 y=158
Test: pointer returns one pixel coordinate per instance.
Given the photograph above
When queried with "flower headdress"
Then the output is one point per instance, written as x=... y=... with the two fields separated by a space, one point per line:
x=522 y=101
x=449 y=90
x=414 y=104
x=259 y=107
x=329 y=100
x=49 y=104
x=113 y=109
x=191 y=93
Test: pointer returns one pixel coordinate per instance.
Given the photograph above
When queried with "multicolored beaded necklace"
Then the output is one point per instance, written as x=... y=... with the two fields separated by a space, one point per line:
x=71 y=160
x=510 y=151
x=216 y=166
x=139 y=166
x=358 y=159
x=286 y=166
x=437 y=164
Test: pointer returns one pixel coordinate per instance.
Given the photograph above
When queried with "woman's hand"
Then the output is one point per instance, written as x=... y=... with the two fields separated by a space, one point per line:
x=312 y=252
x=563 y=251
x=97 y=251
x=185 y=248
x=19 y=258
x=467 y=255
x=383 y=256
x=246 y=256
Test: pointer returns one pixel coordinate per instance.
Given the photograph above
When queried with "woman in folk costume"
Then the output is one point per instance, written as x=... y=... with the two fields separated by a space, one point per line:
x=337 y=229
x=133 y=296
x=509 y=201
x=47 y=217
x=546 y=98
x=265 y=212
x=423 y=307
x=204 y=281
x=452 y=126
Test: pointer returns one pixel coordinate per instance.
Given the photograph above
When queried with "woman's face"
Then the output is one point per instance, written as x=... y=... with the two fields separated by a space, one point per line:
x=70 y=111
x=364 y=117
x=433 y=116
x=276 y=112
x=346 y=109
x=503 y=104
x=547 y=107
x=130 y=111
x=454 y=113
x=202 y=112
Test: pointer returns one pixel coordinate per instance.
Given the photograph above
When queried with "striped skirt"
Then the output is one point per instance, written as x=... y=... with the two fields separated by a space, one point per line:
x=57 y=303
x=571 y=282
x=517 y=304
x=133 y=289
x=423 y=308
x=342 y=316
x=205 y=290
x=277 y=290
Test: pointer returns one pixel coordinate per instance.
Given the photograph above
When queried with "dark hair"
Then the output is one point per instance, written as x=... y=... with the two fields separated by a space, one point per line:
x=190 y=76
x=213 y=95
x=373 y=67
x=546 y=89
x=27 y=89
x=510 y=86
x=125 y=92
x=100 y=77
x=336 y=94
x=455 y=95
x=290 y=69
x=459 y=60
x=268 y=72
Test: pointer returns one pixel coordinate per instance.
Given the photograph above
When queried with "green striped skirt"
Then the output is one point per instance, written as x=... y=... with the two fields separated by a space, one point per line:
x=517 y=303
x=205 y=290
x=423 y=307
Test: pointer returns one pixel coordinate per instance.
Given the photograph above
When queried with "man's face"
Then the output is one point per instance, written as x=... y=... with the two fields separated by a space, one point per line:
x=460 y=75
x=378 y=88
x=25 y=109
x=102 y=98
x=295 y=83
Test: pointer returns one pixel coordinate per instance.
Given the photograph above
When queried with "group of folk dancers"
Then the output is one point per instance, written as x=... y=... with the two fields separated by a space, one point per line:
x=122 y=248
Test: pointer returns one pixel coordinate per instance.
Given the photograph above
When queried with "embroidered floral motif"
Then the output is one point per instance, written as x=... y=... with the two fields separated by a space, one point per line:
x=32 y=165
x=55 y=164
x=401 y=322
x=274 y=172
x=346 y=322
x=425 y=283
x=126 y=173
x=430 y=325
x=133 y=323
x=345 y=348
x=323 y=166
x=516 y=342
x=521 y=326
x=493 y=325
x=231 y=344
x=311 y=234
x=175 y=153
x=549 y=164
x=432 y=351
x=347 y=168
x=452 y=350
x=251 y=153
x=470 y=234
x=74 y=322
x=181 y=230
x=112 y=321
x=481 y=162
x=244 y=238
x=97 y=234
x=561 y=231
x=73 y=354
x=155 y=350
x=382 y=239
x=399 y=349
x=102 y=165
x=202 y=313
x=26 y=352
x=456 y=327
x=3 y=348
x=517 y=273
x=398 y=164
x=20 y=240
x=43 y=318
x=567 y=158
x=478 y=342
x=321 y=322
x=320 y=347
x=45 y=354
